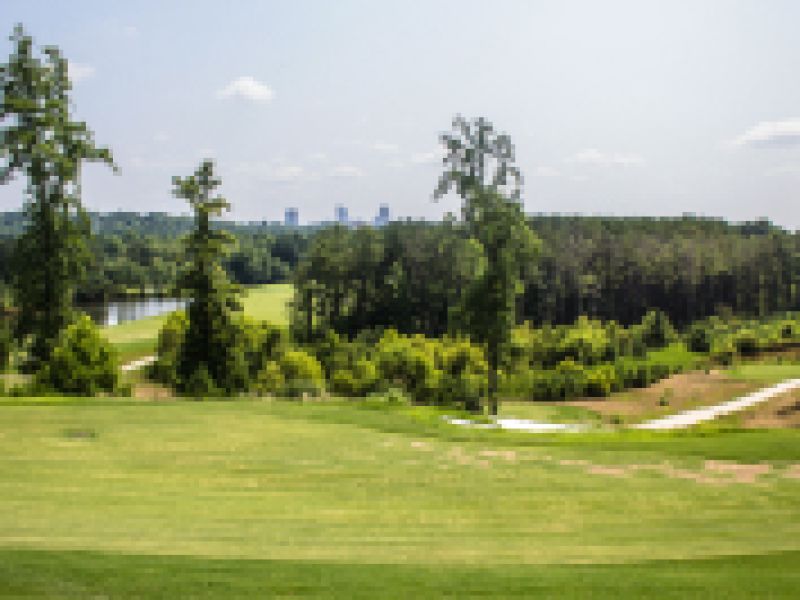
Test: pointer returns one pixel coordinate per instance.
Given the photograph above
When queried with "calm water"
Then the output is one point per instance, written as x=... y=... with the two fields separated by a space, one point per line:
x=112 y=313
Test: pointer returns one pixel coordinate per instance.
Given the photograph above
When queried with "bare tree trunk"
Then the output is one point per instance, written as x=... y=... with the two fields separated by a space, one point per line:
x=493 y=381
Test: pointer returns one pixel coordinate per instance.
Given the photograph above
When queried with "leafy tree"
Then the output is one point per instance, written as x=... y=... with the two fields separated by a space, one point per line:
x=42 y=141
x=479 y=165
x=82 y=363
x=208 y=355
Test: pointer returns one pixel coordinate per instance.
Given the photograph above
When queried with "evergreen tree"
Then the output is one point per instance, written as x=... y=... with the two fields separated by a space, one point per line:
x=40 y=140
x=207 y=362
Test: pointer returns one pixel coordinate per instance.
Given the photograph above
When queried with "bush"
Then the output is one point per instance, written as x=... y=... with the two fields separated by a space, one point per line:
x=296 y=373
x=655 y=330
x=358 y=380
x=83 y=362
x=168 y=348
x=700 y=338
x=463 y=381
x=250 y=346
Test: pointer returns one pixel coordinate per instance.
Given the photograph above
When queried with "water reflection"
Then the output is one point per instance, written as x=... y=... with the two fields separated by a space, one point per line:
x=113 y=313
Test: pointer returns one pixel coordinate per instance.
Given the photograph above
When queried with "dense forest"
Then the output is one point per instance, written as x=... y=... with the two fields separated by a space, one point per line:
x=408 y=274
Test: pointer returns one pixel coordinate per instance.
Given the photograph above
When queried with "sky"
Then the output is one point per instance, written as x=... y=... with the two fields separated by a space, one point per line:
x=616 y=107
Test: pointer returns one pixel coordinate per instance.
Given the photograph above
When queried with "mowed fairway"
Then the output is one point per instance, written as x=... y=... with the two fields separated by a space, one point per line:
x=238 y=498
x=135 y=339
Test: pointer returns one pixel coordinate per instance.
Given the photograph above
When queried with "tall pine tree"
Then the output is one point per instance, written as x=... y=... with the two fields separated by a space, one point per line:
x=208 y=361
x=41 y=141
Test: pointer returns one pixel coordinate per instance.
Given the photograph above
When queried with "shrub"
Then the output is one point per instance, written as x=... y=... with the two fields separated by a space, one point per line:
x=200 y=384
x=296 y=373
x=82 y=363
x=408 y=362
x=700 y=337
x=463 y=381
x=655 y=330
x=358 y=380
x=170 y=340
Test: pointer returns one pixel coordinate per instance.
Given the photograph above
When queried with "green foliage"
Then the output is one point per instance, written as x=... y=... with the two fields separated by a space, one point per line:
x=479 y=165
x=592 y=358
x=295 y=373
x=443 y=371
x=40 y=140
x=724 y=340
x=168 y=349
x=6 y=338
x=82 y=363
x=210 y=357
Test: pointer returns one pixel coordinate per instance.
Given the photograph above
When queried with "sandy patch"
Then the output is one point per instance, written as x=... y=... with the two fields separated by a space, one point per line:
x=792 y=472
x=508 y=455
x=714 y=472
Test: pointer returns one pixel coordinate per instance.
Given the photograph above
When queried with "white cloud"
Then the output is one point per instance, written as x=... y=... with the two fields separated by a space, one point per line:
x=247 y=88
x=345 y=171
x=130 y=31
x=544 y=171
x=318 y=156
x=771 y=134
x=592 y=156
x=422 y=158
x=80 y=71
x=385 y=147
x=160 y=137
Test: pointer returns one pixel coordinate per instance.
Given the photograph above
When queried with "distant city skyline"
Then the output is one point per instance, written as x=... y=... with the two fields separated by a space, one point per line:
x=622 y=107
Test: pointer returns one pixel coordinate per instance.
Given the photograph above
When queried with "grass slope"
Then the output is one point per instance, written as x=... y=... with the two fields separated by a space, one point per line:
x=333 y=499
x=135 y=339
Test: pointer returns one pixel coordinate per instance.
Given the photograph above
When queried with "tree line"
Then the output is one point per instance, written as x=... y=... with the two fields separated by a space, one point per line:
x=131 y=254
x=411 y=275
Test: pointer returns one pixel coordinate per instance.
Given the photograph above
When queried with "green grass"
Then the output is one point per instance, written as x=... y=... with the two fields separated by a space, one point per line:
x=232 y=498
x=48 y=574
x=135 y=339
x=268 y=302
x=764 y=372
x=549 y=413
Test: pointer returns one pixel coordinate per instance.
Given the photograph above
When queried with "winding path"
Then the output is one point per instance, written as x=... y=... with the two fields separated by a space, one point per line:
x=709 y=413
x=677 y=421
x=138 y=364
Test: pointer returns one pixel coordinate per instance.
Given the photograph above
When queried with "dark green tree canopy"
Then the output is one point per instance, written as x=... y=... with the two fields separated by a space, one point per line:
x=40 y=140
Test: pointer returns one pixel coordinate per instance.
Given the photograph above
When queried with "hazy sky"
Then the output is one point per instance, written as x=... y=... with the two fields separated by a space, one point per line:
x=623 y=107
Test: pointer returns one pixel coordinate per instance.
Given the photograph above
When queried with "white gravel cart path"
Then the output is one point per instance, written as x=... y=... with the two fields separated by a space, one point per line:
x=709 y=413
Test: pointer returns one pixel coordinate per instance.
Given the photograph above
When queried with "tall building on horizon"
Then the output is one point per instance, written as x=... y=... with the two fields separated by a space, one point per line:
x=340 y=214
x=291 y=218
x=383 y=215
